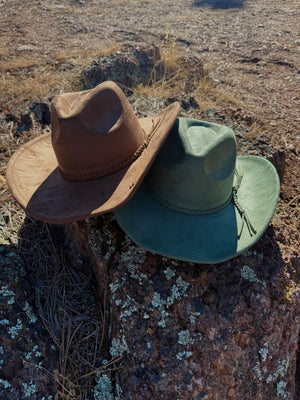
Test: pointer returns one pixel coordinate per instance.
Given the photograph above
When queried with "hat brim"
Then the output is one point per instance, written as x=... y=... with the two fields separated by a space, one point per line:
x=209 y=238
x=36 y=183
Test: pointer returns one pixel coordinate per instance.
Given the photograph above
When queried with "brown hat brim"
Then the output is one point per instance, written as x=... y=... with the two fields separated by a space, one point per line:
x=36 y=183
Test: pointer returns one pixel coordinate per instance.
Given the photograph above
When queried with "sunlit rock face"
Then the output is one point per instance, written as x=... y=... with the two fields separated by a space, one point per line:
x=184 y=330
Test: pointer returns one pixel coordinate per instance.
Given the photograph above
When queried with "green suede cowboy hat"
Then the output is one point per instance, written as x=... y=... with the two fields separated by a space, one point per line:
x=200 y=202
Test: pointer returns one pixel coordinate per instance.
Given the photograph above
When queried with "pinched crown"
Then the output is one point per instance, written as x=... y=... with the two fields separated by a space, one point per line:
x=94 y=133
x=194 y=170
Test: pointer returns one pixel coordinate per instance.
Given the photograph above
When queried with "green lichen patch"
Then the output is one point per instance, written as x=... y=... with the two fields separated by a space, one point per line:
x=15 y=331
x=7 y=295
x=281 y=393
x=103 y=388
x=169 y=273
x=29 y=389
x=118 y=346
x=28 y=310
x=263 y=351
x=249 y=274
x=184 y=337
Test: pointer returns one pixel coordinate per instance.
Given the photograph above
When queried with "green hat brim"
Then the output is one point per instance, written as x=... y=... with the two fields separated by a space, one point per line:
x=211 y=238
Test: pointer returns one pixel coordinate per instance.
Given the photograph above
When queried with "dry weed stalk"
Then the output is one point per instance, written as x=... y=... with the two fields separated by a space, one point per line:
x=208 y=94
x=184 y=78
x=11 y=219
x=294 y=206
x=34 y=78
x=255 y=129
x=70 y=308
x=18 y=63
x=84 y=56
x=173 y=80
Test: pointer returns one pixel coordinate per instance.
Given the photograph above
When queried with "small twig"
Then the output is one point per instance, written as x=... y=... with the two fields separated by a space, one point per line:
x=51 y=240
x=103 y=367
x=50 y=333
x=103 y=317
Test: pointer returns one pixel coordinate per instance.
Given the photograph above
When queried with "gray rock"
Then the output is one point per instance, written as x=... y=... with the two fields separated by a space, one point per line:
x=182 y=330
x=11 y=366
x=130 y=67
x=27 y=47
x=140 y=63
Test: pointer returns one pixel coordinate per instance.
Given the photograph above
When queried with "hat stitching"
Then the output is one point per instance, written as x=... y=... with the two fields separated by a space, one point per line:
x=119 y=166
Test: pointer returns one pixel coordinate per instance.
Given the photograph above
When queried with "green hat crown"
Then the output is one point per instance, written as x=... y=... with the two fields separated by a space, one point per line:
x=194 y=171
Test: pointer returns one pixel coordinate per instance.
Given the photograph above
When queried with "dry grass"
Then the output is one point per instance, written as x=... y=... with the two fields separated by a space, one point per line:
x=35 y=87
x=182 y=77
x=18 y=63
x=69 y=306
x=255 y=129
x=173 y=81
x=32 y=86
x=294 y=206
x=32 y=78
x=3 y=52
x=84 y=56
x=11 y=218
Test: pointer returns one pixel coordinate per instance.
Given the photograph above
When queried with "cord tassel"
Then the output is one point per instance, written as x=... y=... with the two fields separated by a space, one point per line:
x=242 y=212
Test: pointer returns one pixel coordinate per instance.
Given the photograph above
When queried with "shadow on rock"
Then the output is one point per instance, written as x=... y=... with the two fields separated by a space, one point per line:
x=48 y=303
x=28 y=357
x=177 y=318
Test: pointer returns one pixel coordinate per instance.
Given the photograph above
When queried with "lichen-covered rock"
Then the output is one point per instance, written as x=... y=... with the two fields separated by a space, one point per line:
x=191 y=331
x=142 y=64
x=26 y=351
x=130 y=67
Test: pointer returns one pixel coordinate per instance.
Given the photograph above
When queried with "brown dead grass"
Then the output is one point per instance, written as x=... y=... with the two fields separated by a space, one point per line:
x=84 y=56
x=166 y=86
x=18 y=63
x=32 y=78
x=33 y=87
x=3 y=52
x=70 y=308
x=254 y=129
x=180 y=78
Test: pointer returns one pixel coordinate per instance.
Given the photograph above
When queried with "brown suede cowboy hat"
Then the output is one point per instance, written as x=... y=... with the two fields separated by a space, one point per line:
x=94 y=159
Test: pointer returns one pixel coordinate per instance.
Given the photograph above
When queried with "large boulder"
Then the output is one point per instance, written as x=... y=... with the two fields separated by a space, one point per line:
x=192 y=331
x=144 y=64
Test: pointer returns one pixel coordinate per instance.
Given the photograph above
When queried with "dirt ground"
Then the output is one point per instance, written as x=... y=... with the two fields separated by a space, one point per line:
x=250 y=50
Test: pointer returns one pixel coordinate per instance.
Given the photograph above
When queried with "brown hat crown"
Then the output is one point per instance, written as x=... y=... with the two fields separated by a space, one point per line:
x=94 y=133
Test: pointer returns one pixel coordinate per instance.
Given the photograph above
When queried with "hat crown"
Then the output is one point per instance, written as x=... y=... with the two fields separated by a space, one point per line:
x=194 y=170
x=95 y=132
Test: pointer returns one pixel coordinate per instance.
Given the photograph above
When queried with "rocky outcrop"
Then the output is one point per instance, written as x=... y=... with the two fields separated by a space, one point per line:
x=28 y=356
x=191 y=331
x=140 y=64
x=129 y=67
